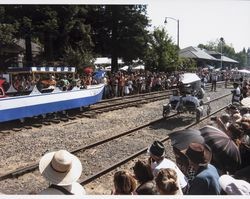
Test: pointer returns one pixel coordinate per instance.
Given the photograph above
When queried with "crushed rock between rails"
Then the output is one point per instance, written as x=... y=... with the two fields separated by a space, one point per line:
x=27 y=146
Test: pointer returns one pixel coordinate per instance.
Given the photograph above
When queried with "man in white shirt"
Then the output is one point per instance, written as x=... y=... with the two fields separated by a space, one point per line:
x=236 y=93
x=214 y=78
x=158 y=161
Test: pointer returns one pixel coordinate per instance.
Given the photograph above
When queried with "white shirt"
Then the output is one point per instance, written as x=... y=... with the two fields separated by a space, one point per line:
x=236 y=96
x=175 y=98
x=166 y=163
x=75 y=189
x=191 y=98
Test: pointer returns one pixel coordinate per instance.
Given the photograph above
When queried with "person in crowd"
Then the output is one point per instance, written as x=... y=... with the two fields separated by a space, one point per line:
x=65 y=83
x=143 y=174
x=206 y=180
x=244 y=88
x=214 y=79
x=167 y=182
x=121 y=85
x=89 y=79
x=158 y=161
x=76 y=81
x=62 y=170
x=243 y=174
x=232 y=186
x=236 y=98
x=124 y=184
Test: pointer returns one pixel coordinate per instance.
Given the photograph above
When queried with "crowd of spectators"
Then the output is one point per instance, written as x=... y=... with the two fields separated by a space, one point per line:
x=198 y=169
x=118 y=84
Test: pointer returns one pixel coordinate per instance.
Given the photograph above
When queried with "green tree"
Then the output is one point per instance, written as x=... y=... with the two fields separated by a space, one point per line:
x=119 y=31
x=162 y=54
x=187 y=64
x=7 y=28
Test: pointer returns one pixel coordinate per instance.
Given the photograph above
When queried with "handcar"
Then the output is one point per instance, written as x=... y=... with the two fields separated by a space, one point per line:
x=187 y=98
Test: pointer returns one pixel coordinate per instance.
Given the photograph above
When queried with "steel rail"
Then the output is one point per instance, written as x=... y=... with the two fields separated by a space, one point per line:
x=21 y=171
x=133 y=156
x=112 y=167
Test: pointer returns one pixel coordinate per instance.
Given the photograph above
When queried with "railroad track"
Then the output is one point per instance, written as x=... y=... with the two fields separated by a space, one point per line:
x=21 y=171
x=100 y=107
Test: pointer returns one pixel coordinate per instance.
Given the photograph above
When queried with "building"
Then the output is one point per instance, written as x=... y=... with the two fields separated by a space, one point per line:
x=205 y=58
x=12 y=55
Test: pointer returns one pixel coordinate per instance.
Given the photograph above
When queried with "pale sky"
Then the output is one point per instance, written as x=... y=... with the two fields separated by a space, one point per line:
x=202 y=21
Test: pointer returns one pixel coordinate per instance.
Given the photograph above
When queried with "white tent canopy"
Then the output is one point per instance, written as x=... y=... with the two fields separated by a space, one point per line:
x=244 y=71
x=105 y=60
x=108 y=68
x=140 y=67
x=188 y=78
x=124 y=68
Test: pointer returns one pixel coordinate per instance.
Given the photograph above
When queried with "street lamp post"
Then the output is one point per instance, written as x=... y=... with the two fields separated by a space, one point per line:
x=221 y=42
x=177 y=20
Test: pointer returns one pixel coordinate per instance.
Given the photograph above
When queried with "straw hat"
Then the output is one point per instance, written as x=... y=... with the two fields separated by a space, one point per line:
x=198 y=153
x=60 y=168
x=246 y=102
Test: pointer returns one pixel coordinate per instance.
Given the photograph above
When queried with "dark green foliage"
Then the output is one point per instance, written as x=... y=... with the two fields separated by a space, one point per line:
x=162 y=54
x=119 y=31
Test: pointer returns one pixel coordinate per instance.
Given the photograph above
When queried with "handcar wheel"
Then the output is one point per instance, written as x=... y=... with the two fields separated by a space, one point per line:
x=198 y=115
x=208 y=110
x=166 y=111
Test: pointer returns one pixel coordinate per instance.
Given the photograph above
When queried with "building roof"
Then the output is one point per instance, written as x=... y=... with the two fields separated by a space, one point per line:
x=227 y=59
x=195 y=52
x=36 y=49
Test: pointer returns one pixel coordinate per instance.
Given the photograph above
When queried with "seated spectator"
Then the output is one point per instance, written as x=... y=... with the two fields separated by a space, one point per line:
x=192 y=99
x=206 y=179
x=62 y=170
x=243 y=174
x=124 y=184
x=145 y=177
x=167 y=182
x=182 y=162
x=158 y=161
x=232 y=186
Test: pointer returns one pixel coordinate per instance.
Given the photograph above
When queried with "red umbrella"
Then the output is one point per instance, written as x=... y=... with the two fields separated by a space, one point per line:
x=226 y=154
x=88 y=70
x=1 y=81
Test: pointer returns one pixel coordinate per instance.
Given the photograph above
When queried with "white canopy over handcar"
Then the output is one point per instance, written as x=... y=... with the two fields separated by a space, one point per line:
x=188 y=78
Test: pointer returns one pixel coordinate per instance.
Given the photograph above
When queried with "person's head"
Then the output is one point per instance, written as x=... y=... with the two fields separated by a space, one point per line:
x=236 y=117
x=60 y=168
x=235 y=84
x=157 y=151
x=143 y=172
x=225 y=118
x=236 y=131
x=167 y=182
x=198 y=154
x=124 y=183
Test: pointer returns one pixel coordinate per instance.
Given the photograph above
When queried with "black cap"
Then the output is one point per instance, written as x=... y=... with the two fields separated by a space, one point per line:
x=157 y=149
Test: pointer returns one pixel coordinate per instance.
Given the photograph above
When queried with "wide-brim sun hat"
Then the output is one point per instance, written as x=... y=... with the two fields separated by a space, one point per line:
x=60 y=168
x=199 y=154
x=233 y=186
x=246 y=102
